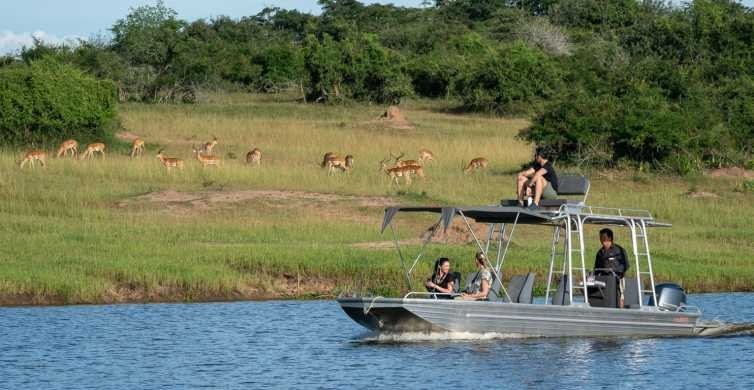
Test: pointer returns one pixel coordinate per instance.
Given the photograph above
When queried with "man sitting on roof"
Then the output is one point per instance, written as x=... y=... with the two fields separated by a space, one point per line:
x=540 y=177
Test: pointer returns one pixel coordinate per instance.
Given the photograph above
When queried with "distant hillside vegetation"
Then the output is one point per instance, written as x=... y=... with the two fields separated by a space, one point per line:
x=607 y=83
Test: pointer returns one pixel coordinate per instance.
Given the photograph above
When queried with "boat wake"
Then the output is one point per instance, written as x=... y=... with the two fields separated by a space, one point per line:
x=732 y=329
x=423 y=337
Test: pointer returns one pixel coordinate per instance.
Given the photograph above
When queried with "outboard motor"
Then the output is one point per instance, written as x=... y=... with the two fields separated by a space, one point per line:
x=669 y=296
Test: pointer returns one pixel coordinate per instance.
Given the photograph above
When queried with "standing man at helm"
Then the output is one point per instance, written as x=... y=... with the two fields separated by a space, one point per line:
x=611 y=259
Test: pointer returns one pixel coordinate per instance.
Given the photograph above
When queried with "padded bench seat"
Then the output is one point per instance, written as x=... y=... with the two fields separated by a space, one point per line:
x=567 y=185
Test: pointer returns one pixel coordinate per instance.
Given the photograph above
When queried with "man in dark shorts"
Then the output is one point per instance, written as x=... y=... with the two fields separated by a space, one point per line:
x=539 y=178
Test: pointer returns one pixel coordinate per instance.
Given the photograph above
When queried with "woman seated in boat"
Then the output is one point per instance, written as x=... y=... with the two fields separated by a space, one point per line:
x=442 y=281
x=478 y=286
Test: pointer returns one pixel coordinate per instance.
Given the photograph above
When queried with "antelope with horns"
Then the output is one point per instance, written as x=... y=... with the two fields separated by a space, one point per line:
x=254 y=157
x=32 y=156
x=68 y=145
x=403 y=171
x=207 y=148
x=137 y=148
x=327 y=157
x=344 y=164
x=206 y=159
x=91 y=148
x=475 y=164
x=426 y=155
x=169 y=162
x=403 y=163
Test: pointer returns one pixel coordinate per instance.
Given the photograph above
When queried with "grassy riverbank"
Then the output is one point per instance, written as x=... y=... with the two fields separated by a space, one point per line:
x=120 y=230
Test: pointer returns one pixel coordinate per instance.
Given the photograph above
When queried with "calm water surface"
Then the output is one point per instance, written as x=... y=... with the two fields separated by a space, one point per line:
x=312 y=344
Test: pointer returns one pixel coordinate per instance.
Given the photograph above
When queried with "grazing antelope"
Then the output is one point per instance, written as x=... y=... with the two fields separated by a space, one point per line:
x=345 y=164
x=206 y=159
x=254 y=156
x=210 y=145
x=169 y=162
x=137 y=147
x=67 y=145
x=91 y=148
x=328 y=156
x=33 y=155
x=404 y=171
x=403 y=163
x=426 y=155
x=477 y=163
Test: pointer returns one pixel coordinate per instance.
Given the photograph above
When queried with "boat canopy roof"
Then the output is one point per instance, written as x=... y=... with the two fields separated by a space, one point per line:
x=513 y=214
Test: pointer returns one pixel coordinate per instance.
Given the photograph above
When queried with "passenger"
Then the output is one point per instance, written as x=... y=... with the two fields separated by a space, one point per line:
x=442 y=281
x=540 y=177
x=479 y=286
x=611 y=259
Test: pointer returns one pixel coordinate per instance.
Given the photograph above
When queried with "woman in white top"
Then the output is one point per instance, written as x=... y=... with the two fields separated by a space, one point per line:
x=479 y=286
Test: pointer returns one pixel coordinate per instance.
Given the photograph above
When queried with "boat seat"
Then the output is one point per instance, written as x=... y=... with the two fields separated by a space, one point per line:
x=494 y=293
x=515 y=286
x=561 y=294
x=526 y=295
x=568 y=185
x=631 y=294
x=468 y=278
x=520 y=288
x=456 y=282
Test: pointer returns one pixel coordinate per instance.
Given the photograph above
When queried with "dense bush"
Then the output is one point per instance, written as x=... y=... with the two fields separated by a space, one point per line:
x=512 y=79
x=667 y=84
x=46 y=101
x=357 y=67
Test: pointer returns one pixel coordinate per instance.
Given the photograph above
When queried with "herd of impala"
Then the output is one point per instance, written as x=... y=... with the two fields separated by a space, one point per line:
x=400 y=168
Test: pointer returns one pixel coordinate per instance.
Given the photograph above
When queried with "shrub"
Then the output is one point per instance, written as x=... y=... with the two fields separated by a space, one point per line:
x=357 y=67
x=46 y=101
x=510 y=80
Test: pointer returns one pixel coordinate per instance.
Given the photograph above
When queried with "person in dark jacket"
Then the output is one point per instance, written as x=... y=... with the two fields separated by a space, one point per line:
x=611 y=259
x=442 y=280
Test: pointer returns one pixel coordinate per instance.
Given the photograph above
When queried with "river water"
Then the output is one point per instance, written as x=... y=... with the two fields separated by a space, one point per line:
x=312 y=344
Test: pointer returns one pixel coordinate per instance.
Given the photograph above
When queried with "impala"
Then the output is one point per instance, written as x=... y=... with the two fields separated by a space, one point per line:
x=426 y=155
x=169 y=162
x=206 y=159
x=67 y=145
x=91 y=148
x=327 y=157
x=137 y=147
x=210 y=145
x=403 y=171
x=33 y=155
x=344 y=164
x=254 y=156
x=403 y=163
x=477 y=163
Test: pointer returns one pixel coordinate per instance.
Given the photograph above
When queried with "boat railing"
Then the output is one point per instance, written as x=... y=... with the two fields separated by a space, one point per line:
x=682 y=308
x=607 y=212
x=430 y=294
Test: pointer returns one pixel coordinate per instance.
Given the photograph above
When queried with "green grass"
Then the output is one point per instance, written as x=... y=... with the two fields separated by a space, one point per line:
x=77 y=231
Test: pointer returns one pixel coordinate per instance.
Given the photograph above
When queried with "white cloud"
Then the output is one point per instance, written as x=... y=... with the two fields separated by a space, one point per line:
x=11 y=43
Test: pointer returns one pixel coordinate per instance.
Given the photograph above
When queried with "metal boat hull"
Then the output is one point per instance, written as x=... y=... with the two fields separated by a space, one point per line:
x=538 y=320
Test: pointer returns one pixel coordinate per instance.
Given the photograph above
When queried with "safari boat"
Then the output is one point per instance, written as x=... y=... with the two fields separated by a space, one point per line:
x=575 y=303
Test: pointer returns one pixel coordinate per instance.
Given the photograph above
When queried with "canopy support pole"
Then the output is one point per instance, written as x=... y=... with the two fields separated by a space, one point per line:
x=479 y=244
x=424 y=245
x=400 y=254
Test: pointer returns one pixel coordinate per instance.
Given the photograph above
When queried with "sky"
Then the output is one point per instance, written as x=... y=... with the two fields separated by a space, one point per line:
x=56 y=21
